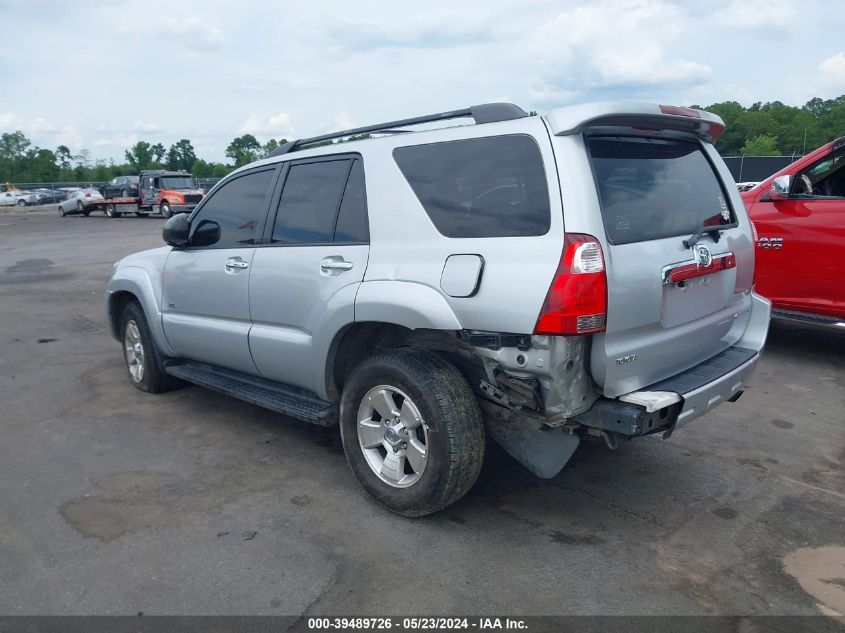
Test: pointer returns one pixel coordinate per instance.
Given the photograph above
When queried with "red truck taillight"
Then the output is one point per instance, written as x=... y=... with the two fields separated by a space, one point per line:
x=577 y=299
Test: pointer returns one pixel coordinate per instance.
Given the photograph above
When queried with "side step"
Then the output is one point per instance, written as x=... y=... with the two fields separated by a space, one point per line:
x=292 y=401
x=811 y=319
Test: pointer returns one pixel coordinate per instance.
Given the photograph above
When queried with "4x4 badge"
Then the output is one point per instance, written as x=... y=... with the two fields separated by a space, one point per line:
x=703 y=256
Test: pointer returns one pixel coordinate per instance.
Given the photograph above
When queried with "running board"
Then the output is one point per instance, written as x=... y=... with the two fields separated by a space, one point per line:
x=811 y=319
x=291 y=401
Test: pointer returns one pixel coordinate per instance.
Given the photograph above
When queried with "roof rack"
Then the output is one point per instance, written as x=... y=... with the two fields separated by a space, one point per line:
x=483 y=113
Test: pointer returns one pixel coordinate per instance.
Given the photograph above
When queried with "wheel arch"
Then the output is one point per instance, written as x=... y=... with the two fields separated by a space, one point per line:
x=132 y=283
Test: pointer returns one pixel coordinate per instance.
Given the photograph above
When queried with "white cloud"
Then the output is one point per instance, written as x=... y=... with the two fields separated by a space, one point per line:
x=41 y=132
x=754 y=14
x=146 y=126
x=119 y=141
x=436 y=28
x=276 y=124
x=832 y=70
x=195 y=32
x=612 y=43
x=69 y=135
x=342 y=121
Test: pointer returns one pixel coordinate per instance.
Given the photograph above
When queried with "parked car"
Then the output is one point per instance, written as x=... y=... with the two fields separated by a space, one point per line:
x=16 y=198
x=799 y=214
x=121 y=187
x=167 y=192
x=50 y=196
x=83 y=201
x=420 y=290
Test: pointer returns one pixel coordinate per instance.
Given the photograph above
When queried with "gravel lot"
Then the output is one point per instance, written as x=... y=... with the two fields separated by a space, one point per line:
x=113 y=501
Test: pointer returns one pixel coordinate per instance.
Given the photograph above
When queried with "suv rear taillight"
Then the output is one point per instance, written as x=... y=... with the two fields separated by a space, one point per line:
x=577 y=300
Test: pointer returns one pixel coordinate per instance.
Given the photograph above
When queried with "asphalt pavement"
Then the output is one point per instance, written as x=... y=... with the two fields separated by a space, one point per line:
x=113 y=501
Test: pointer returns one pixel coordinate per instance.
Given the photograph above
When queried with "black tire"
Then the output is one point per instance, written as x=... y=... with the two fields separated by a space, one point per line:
x=21 y=202
x=165 y=209
x=455 y=433
x=61 y=212
x=111 y=211
x=80 y=207
x=141 y=214
x=153 y=380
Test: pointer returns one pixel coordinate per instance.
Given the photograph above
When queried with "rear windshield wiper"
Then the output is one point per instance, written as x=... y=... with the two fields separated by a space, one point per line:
x=715 y=231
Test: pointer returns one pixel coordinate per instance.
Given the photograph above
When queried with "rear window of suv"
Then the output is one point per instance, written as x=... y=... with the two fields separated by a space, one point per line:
x=655 y=188
x=483 y=187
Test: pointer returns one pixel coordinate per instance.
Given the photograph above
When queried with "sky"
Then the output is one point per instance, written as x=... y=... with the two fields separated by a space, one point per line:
x=103 y=74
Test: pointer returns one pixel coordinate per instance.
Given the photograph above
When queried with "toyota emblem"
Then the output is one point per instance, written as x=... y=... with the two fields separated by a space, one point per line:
x=703 y=256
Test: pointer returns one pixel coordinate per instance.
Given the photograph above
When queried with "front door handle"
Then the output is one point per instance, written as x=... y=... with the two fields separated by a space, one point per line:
x=233 y=264
x=329 y=264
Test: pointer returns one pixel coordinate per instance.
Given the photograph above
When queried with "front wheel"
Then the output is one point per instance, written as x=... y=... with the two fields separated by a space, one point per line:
x=166 y=211
x=412 y=431
x=140 y=353
x=61 y=212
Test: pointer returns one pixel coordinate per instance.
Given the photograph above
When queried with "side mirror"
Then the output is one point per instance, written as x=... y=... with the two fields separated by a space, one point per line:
x=207 y=233
x=780 y=188
x=176 y=230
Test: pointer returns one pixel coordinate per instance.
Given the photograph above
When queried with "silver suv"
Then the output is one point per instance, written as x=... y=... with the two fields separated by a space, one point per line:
x=543 y=280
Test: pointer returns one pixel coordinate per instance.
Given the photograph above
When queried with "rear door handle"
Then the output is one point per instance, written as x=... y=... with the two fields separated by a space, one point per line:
x=233 y=264
x=330 y=264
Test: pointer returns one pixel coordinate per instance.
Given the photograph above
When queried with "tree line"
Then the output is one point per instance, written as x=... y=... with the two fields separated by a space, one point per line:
x=763 y=129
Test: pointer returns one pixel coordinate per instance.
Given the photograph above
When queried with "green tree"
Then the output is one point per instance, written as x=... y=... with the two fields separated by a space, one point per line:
x=158 y=153
x=41 y=166
x=140 y=156
x=243 y=149
x=181 y=155
x=13 y=147
x=762 y=145
x=63 y=157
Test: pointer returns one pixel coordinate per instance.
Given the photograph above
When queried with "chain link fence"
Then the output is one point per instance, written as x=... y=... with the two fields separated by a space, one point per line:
x=201 y=183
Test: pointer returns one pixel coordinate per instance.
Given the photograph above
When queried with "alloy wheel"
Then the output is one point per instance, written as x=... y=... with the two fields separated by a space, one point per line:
x=133 y=348
x=393 y=436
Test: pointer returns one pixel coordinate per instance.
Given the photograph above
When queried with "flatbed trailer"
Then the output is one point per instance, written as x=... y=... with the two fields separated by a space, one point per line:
x=116 y=207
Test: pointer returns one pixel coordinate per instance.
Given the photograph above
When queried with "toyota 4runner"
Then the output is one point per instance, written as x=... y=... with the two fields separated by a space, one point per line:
x=541 y=280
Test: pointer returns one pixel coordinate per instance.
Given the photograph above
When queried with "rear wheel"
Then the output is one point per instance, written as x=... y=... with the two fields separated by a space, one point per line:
x=111 y=211
x=412 y=431
x=61 y=212
x=140 y=354
x=80 y=207
x=166 y=211
x=21 y=202
x=124 y=194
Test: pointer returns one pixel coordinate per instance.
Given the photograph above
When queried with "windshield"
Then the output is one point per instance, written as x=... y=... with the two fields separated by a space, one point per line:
x=654 y=188
x=177 y=182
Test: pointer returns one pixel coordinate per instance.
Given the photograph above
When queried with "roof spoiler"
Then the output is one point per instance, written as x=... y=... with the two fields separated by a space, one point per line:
x=639 y=116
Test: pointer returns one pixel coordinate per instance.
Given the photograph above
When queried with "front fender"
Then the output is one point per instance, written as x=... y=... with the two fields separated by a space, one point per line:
x=136 y=281
x=412 y=305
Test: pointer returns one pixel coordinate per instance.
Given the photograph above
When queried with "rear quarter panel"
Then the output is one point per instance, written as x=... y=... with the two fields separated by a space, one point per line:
x=406 y=246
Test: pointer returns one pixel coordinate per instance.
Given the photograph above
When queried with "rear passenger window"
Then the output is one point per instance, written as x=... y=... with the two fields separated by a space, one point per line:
x=484 y=187
x=309 y=204
x=352 y=217
x=238 y=207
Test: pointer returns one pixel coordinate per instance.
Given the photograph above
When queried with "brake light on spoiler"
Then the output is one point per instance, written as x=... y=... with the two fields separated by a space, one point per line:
x=690 y=270
x=680 y=111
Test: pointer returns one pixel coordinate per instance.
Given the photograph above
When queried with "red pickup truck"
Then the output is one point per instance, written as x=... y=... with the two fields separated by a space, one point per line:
x=799 y=214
